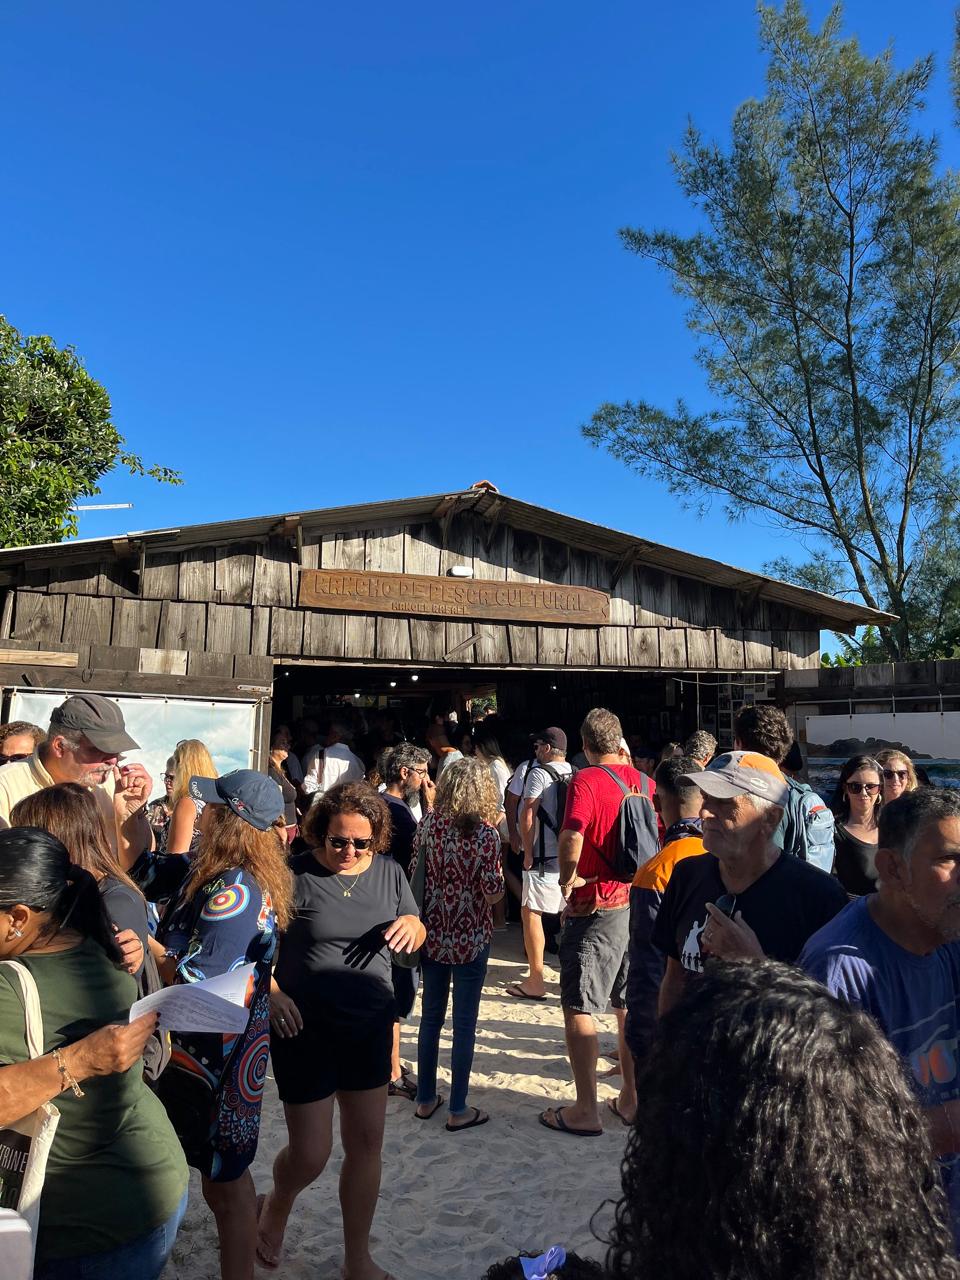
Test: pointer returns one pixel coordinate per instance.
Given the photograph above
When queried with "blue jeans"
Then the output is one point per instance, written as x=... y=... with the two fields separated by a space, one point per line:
x=467 y=989
x=141 y=1259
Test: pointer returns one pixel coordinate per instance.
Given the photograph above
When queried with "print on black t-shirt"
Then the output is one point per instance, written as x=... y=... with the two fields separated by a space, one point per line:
x=784 y=907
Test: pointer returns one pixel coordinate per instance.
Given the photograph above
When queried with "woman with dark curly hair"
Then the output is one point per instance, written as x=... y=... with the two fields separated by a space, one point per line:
x=332 y=1014
x=785 y=1117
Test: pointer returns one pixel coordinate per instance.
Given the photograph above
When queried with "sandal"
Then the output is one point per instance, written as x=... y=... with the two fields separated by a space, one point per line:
x=438 y=1103
x=404 y=1087
x=479 y=1117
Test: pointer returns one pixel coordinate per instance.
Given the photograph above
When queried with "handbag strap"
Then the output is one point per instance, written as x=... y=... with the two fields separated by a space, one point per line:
x=31 y=1005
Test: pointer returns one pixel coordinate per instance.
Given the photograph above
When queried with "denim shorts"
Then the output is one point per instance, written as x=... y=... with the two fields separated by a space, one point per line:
x=593 y=961
x=142 y=1259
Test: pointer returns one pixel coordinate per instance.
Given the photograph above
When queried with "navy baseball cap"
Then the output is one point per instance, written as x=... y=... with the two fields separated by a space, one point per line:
x=252 y=796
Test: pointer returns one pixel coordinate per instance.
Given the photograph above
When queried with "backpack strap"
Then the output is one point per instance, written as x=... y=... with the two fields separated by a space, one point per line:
x=545 y=820
x=627 y=791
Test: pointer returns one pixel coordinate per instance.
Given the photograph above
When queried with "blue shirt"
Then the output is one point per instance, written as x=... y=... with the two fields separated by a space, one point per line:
x=913 y=998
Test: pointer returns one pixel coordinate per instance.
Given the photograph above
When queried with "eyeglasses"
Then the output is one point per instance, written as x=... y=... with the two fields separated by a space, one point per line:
x=863 y=788
x=421 y=771
x=169 y=777
x=340 y=842
x=890 y=774
x=19 y=755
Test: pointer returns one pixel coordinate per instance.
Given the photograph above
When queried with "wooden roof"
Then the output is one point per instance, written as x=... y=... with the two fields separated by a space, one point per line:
x=831 y=612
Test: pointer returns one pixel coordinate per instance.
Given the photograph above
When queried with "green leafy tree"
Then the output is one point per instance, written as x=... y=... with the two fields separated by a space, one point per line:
x=56 y=439
x=824 y=286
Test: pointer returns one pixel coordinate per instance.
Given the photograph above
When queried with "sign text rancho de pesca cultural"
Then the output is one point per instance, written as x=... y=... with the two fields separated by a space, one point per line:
x=366 y=592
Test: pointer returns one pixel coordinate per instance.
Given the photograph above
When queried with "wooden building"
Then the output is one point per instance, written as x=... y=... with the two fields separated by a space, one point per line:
x=460 y=591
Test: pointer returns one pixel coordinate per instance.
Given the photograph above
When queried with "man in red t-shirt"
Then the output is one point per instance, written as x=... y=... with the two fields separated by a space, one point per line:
x=596 y=930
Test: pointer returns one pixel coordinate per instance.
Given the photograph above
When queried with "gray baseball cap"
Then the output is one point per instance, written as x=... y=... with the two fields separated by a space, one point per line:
x=99 y=719
x=738 y=773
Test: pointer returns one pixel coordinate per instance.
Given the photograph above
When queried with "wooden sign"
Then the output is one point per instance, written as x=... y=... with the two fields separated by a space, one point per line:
x=364 y=592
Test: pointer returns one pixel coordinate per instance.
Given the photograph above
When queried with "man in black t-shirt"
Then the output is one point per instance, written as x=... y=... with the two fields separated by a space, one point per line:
x=743 y=898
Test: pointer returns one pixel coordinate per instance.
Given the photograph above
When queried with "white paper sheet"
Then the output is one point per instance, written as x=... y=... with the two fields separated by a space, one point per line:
x=216 y=1004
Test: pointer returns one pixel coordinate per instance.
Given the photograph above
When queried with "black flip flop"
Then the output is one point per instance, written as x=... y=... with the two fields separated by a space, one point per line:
x=561 y=1125
x=516 y=992
x=613 y=1104
x=433 y=1110
x=478 y=1119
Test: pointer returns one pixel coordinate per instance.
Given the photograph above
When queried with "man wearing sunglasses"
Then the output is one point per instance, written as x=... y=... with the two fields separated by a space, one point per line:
x=896 y=954
x=84 y=744
x=18 y=741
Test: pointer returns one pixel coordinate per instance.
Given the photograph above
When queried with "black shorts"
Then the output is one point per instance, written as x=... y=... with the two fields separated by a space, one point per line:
x=593 y=961
x=326 y=1058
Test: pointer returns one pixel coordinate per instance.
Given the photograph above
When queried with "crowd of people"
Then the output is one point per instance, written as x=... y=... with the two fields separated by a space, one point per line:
x=783 y=971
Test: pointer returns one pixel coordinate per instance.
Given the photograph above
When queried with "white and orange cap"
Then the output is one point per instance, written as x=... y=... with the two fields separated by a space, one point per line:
x=738 y=773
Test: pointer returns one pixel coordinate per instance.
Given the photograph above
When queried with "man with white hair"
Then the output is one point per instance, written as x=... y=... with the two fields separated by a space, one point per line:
x=744 y=898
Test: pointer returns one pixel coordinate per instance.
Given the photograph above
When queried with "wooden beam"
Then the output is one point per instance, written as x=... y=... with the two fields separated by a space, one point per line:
x=463 y=645
x=112 y=681
x=38 y=658
x=626 y=562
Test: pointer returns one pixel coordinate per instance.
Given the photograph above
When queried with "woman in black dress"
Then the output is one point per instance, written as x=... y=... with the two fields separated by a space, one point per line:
x=332 y=1014
x=859 y=797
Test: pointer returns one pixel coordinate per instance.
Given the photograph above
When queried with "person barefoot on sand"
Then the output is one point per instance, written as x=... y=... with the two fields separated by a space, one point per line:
x=331 y=1015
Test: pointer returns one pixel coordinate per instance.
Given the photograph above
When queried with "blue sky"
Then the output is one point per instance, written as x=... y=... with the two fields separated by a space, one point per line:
x=323 y=254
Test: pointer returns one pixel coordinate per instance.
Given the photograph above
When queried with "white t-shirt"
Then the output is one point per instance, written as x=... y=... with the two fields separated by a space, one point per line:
x=324 y=767
x=539 y=785
x=515 y=785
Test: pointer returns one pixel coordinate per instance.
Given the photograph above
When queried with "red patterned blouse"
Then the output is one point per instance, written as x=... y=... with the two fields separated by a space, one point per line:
x=461 y=869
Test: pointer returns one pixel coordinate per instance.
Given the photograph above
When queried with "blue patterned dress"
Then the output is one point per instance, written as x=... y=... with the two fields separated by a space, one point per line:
x=228 y=923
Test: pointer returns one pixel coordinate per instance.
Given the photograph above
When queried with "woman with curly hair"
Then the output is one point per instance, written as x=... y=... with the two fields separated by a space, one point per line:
x=463 y=879
x=191 y=759
x=785 y=1117
x=332 y=1014
x=235 y=897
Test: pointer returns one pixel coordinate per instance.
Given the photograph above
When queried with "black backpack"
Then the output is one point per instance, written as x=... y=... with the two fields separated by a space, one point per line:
x=562 y=785
x=637 y=836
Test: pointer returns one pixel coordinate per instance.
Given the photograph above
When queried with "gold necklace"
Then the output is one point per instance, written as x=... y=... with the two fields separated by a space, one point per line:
x=349 y=889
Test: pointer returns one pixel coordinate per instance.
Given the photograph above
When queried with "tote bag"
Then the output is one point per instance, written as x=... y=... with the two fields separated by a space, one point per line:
x=25 y=1145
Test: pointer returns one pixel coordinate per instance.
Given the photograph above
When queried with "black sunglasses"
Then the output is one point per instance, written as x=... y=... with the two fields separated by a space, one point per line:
x=341 y=842
x=727 y=903
x=20 y=755
x=890 y=774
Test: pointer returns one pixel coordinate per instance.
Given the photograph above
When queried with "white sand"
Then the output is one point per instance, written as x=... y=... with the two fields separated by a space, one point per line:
x=453 y=1203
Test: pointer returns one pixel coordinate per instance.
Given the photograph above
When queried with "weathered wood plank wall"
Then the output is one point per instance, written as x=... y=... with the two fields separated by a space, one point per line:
x=205 y=606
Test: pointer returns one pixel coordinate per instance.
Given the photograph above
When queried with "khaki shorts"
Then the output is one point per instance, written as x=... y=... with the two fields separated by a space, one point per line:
x=593 y=961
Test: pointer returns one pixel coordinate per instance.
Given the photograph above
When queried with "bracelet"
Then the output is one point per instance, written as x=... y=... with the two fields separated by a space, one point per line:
x=67 y=1080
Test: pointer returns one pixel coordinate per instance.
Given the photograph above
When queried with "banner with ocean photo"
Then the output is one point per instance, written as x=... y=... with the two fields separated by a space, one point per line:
x=930 y=738
x=227 y=727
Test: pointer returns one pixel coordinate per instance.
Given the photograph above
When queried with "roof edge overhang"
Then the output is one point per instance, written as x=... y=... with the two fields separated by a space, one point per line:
x=832 y=613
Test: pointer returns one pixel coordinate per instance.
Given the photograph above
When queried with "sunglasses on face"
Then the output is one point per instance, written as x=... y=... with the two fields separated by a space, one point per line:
x=890 y=774
x=169 y=777
x=863 y=788
x=19 y=755
x=340 y=843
